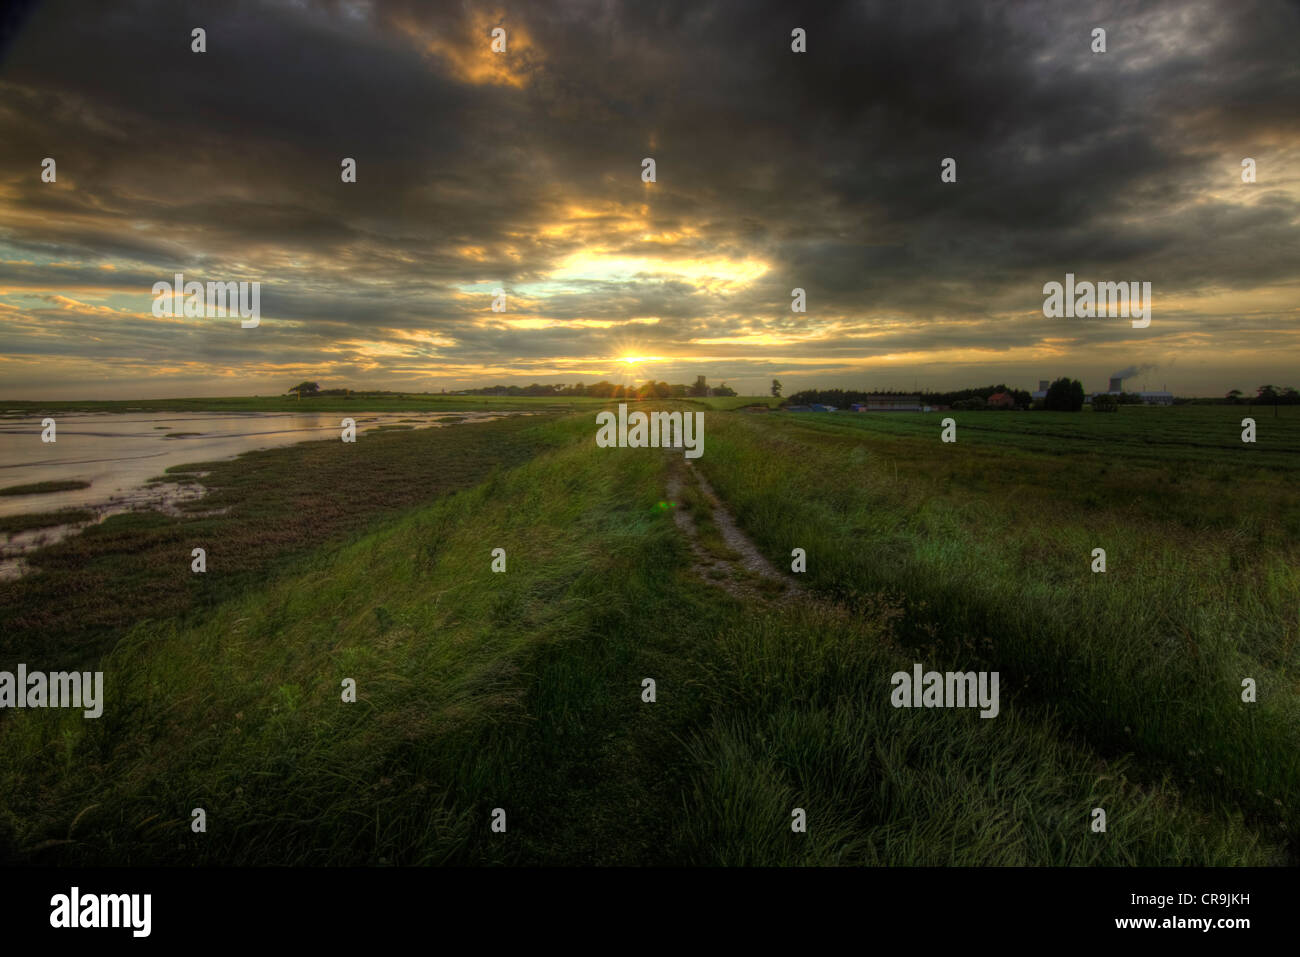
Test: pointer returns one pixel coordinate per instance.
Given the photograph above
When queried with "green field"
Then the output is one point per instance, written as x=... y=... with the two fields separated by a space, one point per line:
x=1206 y=435
x=522 y=691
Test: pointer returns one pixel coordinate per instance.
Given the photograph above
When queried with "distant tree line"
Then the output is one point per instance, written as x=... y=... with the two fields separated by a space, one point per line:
x=1266 y=395
x=314 y=389
x=976 y=398
x=1065 y=394
x=599 y=390
x=649 y=389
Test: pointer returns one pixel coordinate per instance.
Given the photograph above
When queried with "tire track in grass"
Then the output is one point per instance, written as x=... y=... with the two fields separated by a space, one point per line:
x=722 y=553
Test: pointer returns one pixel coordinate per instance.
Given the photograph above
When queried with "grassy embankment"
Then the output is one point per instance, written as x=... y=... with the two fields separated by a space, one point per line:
x=263 y=513
x=522 y=691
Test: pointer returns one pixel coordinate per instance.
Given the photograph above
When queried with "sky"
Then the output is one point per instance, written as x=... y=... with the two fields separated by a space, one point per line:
x=523 y=170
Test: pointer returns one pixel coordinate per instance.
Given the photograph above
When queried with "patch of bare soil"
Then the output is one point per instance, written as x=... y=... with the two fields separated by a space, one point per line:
x=722 y=553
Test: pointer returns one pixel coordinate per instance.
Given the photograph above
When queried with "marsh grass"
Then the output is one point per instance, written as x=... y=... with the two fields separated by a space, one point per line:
x=11 y=524
x=43 y=488
x=263 y=513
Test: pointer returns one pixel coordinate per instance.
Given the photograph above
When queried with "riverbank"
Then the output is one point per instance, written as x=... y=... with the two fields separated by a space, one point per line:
x=253 y=515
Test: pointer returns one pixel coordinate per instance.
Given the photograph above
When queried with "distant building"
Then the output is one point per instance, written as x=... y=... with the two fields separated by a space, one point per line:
x=1153 y=397
x=890 y=403
x=1001 y=400
x=1043 y=385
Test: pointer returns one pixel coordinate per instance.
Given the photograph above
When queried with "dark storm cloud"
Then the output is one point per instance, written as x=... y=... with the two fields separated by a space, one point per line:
x=474 y=172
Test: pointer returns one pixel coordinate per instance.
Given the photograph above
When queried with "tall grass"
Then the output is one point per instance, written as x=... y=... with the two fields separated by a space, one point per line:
x=801 y=718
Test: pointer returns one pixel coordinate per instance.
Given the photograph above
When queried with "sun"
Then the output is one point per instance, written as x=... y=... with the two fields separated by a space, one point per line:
x=633 y=368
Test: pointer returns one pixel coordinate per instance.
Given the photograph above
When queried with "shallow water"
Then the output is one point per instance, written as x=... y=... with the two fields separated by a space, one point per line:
x=118 y=453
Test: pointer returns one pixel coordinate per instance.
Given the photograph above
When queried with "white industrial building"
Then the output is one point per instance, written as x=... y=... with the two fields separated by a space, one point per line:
x=1155 y=397
x=1115 y=388
x=1149 y=398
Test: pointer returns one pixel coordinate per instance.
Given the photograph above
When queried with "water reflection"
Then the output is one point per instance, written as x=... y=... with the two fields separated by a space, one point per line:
x=117 y=454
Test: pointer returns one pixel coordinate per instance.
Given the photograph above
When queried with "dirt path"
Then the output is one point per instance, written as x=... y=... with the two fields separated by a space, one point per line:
x=723 y=554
